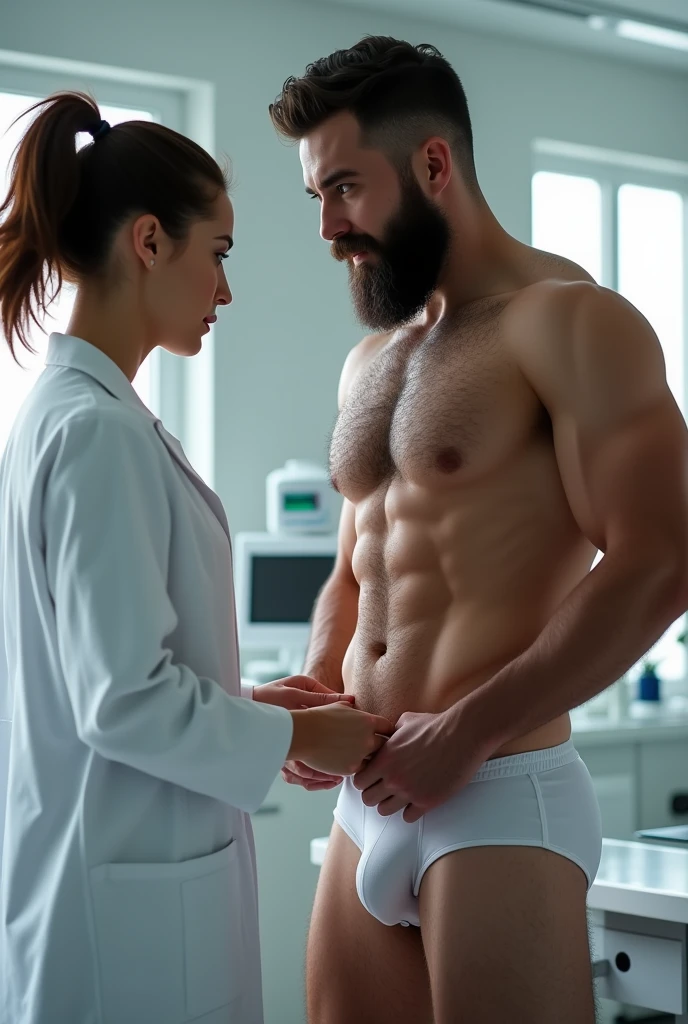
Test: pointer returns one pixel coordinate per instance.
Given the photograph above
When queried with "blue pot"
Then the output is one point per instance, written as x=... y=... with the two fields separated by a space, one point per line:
x=648 y=686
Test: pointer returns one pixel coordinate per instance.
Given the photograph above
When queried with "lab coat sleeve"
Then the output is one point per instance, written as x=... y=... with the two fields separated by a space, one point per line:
x=107 y=526
x=247 y=689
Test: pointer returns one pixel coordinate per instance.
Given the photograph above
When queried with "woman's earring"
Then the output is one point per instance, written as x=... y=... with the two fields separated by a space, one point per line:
x=152 y=263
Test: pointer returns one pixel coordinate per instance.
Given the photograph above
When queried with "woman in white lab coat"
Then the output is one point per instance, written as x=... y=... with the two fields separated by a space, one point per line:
x=127 y=883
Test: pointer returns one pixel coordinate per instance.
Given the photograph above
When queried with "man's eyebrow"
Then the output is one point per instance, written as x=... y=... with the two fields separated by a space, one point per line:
x=334 y=177
x=225 y=238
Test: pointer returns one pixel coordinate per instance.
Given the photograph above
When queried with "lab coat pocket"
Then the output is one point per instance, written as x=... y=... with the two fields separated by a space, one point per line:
x=214 y=940
x=169 y=938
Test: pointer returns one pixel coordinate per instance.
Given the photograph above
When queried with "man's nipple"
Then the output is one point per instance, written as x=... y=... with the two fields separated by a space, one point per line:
x=448 y=460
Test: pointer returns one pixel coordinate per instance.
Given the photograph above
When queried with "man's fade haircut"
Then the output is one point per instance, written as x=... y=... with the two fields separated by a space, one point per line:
x=400 y=95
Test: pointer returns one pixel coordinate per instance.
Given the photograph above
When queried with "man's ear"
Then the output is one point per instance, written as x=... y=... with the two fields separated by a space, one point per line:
x=433 y=163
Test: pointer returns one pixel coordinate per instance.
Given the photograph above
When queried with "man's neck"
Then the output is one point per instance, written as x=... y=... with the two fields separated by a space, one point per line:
x=483 y=261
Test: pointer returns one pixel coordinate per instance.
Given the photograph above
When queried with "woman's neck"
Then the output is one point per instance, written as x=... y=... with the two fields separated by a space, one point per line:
x=111 y=324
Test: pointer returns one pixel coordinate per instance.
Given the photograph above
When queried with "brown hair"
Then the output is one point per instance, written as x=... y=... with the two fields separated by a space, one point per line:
x=64 y=206
x=399 y=93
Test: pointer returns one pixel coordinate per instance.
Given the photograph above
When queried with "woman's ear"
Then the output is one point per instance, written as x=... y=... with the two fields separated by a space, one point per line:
x=146 y=236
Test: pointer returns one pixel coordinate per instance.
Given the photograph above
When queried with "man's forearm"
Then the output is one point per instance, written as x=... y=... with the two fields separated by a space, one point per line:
x=604 y=626
x=334 y=624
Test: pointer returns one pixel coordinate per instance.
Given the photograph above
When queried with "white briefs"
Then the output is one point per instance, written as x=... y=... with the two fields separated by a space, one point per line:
x=539 y=798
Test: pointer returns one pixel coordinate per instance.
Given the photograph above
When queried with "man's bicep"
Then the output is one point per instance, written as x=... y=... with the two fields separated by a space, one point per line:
x=619 y=437
x=626 y=481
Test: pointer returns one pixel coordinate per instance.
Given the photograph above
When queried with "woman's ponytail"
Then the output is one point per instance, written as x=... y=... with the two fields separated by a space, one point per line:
x=64 y=206
x=44 y=185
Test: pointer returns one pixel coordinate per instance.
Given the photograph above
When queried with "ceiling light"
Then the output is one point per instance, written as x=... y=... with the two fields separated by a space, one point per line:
x=599 y=22
x=654 y=34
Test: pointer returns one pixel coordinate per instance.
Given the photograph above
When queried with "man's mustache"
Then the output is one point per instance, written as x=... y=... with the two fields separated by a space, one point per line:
x=348 y=245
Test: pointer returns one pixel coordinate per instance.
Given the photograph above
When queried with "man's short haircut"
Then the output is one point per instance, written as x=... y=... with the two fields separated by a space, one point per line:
x=400 y=95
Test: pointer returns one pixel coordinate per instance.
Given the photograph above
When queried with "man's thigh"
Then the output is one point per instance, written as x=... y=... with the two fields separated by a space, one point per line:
x=506 y=938
x=359 y=971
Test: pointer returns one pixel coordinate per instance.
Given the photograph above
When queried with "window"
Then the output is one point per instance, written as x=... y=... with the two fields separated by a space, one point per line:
x=567 y=218
x=650 y=268
x=16 y=381
x=625 y=220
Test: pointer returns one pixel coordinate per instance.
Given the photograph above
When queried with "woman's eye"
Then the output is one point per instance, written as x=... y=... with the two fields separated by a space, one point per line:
x=221 y=256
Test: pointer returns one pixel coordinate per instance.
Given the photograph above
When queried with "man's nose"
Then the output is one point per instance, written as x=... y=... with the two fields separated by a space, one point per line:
x=332 y=224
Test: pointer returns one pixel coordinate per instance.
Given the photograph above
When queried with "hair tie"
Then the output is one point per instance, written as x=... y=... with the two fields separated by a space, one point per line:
x=101 y=129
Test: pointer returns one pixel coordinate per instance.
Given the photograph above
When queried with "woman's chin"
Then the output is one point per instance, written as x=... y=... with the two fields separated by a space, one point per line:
x=188 y=346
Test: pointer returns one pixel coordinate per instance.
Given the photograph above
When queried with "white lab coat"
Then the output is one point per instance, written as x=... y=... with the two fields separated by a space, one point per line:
x=127 y=881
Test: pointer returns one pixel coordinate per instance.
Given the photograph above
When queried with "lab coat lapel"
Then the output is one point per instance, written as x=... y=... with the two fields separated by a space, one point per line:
x=77 y=354
x=208 y=495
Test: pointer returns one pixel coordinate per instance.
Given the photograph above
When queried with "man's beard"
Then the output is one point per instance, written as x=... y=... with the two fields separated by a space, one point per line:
x=392 y=289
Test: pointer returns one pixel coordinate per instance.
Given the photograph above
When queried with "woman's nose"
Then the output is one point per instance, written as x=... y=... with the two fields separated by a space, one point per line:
x=223 y=295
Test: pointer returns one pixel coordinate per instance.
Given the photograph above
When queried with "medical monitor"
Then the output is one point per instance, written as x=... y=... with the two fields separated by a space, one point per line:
x=277 y=579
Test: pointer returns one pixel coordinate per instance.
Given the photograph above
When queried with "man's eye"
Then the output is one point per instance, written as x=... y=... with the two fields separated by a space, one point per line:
x=345 y=186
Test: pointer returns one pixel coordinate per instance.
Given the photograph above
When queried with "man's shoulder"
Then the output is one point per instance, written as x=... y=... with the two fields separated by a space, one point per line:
x=572 y=334
x=358 y=358
x=369 y=346
x=550 y=316
x=552 y=297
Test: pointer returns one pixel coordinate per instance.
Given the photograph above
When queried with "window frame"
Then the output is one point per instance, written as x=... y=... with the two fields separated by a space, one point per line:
x=612 y=169
x=182 y=395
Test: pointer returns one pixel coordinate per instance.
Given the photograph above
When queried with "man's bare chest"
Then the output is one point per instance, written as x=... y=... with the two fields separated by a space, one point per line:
x=437 y=411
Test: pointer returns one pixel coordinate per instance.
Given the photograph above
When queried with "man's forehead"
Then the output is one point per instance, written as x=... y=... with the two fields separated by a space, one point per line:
x=335 y=142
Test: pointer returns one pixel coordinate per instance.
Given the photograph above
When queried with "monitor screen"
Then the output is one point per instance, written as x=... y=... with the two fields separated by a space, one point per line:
x=284 y=587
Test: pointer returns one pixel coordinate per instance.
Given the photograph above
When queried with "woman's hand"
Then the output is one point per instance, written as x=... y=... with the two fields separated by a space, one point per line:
x=298 y=692
x=337 y=739
x=299 y=774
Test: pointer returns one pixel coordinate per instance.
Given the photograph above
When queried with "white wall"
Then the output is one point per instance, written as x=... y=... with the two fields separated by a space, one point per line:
x=280 y=347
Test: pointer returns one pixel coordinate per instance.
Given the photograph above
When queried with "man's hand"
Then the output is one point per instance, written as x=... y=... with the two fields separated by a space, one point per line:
x=424 y=762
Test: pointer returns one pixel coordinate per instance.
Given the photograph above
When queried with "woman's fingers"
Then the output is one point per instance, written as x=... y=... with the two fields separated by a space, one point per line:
x=304 y=772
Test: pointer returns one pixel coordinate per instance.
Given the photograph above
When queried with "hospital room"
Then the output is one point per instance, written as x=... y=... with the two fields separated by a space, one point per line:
x=343 y=512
